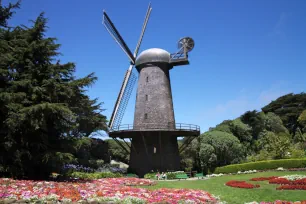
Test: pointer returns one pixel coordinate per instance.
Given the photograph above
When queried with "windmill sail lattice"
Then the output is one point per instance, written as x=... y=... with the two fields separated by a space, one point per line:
x=129 y=78
x=121 y=103
x=110 y=27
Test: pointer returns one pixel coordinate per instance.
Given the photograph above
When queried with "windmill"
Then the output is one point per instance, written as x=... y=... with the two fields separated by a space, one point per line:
x=153 y=135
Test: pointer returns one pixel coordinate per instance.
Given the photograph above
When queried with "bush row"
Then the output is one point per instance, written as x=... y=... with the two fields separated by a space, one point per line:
x=170 y=175
x=97 y=175
x=262 y=165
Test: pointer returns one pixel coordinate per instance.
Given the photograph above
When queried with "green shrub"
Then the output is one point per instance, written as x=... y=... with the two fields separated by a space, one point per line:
x=262 y=165
x=170 y=175
x=150 y=175
x=97 y=175
x=100 y=163
x=297 y=153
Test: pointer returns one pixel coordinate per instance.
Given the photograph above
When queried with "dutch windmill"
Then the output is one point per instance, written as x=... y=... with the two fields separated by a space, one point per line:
x=154 y=132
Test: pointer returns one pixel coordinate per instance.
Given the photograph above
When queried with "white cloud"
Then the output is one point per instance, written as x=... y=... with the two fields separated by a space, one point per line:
x=280 y=26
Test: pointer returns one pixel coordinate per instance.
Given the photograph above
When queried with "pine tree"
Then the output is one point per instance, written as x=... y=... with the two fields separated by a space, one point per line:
x=43 y=105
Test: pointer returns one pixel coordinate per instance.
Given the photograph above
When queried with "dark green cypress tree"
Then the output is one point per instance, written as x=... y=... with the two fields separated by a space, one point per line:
x=43 y=106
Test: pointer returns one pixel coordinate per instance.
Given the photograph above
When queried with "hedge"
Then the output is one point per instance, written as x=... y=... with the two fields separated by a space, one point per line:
x=262 y=165
x=97 y=175
x=170 y=175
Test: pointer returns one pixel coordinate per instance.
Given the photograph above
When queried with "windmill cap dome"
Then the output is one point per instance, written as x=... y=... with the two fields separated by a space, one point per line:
x=153 y=55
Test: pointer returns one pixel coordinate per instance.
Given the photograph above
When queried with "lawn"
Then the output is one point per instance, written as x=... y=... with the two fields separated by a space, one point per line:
x=216 y=186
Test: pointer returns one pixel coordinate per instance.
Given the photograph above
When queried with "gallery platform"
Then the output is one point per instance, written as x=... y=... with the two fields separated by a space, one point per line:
x=179 y=130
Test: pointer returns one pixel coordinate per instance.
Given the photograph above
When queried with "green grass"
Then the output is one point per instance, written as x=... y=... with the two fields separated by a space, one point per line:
x=216 y=186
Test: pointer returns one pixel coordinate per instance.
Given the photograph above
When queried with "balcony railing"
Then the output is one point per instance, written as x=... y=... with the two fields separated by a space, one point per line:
x=153 y=126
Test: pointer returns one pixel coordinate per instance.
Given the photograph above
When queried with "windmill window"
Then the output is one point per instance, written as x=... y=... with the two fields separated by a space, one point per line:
x=146 y=97
x=146 y=116
x=147 y=79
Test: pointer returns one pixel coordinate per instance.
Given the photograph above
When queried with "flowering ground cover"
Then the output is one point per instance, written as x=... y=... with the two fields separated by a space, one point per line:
x=289 y=180
x=98 y=190
x=241 y=184
x=266 y=194
x=291 y=187
x=279 y=181
x=279 y=202
x=263 y=178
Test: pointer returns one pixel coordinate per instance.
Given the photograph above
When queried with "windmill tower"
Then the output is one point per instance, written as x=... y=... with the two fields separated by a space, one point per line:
x=153 y=135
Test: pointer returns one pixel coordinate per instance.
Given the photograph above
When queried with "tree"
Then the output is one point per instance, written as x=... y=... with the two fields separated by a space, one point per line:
x=255 y=120
x=241 y=130
x=190 y=155
x=288 y=108
x=299 y=137
x=43 y=105
x=116 y=151
x=7 y=12
x=302 y=121
x=224 y=126
x=225 y=146
x=208 y=157
x=276 y=144
x=274 y=124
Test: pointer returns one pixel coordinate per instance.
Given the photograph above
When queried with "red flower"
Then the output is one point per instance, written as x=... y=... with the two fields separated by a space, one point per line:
x=241 y=184
x=279 y=181
x=300 y=181
x=263 y=178
x=291 y=187
x=284 y=181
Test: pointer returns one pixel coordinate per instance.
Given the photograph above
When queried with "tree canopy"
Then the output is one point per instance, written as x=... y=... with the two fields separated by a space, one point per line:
x=279 y=131
x=288 y=108
x=44 y=108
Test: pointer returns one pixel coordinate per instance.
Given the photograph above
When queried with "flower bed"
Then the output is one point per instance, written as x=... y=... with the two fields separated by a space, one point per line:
x=101 y=190
x=241 y=184
x=247 y=172
x=281 y=181
x=263 y=178
x=279 y=202
x=294 y=177
x=300 y=182
x=291 y=187
x=285 y=181
x=289 y=182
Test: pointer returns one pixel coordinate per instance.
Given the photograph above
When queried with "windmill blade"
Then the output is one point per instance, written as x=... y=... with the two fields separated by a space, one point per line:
x=110 y=27
x=123 y=98
x=129 y=78
x=144 y=26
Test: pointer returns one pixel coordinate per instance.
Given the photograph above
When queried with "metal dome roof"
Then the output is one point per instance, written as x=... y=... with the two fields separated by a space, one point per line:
x=153 y=55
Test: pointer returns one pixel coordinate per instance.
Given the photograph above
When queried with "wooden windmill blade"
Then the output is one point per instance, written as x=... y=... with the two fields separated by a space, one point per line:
x=110 y=27
x=144 y=26
x=129 y=78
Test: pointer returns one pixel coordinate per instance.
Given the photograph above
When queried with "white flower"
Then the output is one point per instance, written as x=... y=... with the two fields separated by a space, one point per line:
x=293 y=177
x=66 y=200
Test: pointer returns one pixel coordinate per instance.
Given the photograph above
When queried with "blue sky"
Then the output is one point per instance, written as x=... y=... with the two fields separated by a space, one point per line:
x=246 y=53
